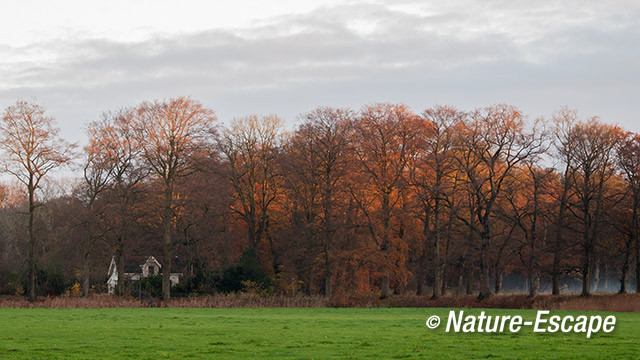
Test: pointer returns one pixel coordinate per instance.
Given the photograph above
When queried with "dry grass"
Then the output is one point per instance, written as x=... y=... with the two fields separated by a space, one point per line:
x=599 y=302
x=93 y=301
x=249 y=301
x=621 y=303
x=217 y=301
x=465 y=301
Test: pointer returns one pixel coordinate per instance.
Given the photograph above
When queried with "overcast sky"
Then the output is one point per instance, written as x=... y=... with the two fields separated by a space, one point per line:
x=239 y=57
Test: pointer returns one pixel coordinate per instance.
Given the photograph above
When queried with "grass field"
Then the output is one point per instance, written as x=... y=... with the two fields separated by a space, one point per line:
x=270 y=333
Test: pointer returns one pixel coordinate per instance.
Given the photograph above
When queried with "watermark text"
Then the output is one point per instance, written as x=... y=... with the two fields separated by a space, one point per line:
x=589 y=325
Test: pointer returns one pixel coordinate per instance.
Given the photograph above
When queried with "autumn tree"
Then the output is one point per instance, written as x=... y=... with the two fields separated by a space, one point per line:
x=32 y=148
x=433 y=179
x=494 y=143
x=316 y=164
x=251 y=146
x=112 y=140
x=169 y=134
x=385 y=139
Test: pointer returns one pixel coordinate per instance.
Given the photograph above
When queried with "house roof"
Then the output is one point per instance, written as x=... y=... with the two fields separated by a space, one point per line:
x=132 y=269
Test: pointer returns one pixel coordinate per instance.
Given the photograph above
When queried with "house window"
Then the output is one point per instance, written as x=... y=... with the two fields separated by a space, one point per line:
x=152 y=270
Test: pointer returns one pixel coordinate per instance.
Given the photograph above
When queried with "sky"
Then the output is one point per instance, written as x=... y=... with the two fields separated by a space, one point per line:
x=80 y=58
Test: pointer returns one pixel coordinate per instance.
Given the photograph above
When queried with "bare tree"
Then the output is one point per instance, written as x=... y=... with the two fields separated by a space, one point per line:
x=526 y=208
x=96 y=174
x=629 y=163
x=251 y=146
x=32 y=149
x=564 y=144
x=594 y=145
x=494 y=144
x=170 y=133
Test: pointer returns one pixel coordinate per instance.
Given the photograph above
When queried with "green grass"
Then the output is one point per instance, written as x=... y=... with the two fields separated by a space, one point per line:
x=395 y=333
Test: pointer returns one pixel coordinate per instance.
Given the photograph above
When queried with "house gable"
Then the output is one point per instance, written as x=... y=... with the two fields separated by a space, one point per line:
x=151 y=267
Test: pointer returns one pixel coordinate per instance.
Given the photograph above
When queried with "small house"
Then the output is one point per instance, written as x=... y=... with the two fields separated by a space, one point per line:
x=150 y=267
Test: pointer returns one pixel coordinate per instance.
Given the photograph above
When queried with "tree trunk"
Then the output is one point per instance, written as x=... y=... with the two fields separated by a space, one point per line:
x=86 y=266
x=485 y=289
x=443 y=288
x=558 y=243
x=605 y=276
x=437 y=283
x=275 y=262
x=307 y=283
x=555 y=282
x=625 y=268
x=386 y=289
x=386 y=245
x=120 y=265
x=251 y=234
x=419 y=286
x=533 y=237
x=328 y=281
x=468 y=265
x=167 y=245
x=586 y=243
x=32 y=242
x=637 y=265
x=328 y=286
x=499 y=278
x=437 y=275
x=328 y=234
x=586 y=273
x=422 y=266
x=636 y=235
x=86 y=269
x=590 y=234
x=445 y=259
x=596 y=277
x=533 y=284
x=469 y=279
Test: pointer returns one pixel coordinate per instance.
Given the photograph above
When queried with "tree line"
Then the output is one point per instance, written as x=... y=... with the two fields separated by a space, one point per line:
x=348 y=204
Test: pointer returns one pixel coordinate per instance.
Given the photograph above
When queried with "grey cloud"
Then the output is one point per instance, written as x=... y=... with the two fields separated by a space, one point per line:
x=324 y=47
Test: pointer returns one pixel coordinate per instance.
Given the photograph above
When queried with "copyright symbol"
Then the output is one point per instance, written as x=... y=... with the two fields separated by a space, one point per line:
x=433 y=322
